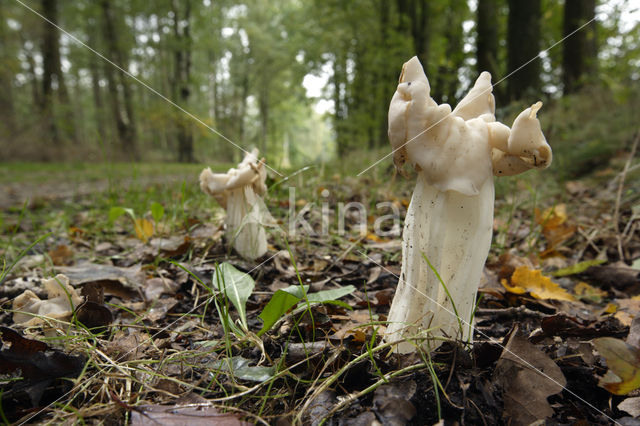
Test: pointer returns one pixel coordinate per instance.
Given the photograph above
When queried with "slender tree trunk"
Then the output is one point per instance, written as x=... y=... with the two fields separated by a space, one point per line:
x=182 y=77
x=340 y=116
x=487 y=40
x=119 y=91
x=420 y=30
x=263 y=105
x=98 y=103
x=50 y=68
x=447 y=78
x=579 y=54
x=523 y=45
x=7 y=110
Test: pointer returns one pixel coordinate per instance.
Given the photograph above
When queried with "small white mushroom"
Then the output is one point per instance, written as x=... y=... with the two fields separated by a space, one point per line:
x=240 y=192
x=450 y=218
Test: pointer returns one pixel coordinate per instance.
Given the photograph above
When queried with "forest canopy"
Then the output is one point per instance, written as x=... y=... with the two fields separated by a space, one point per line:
x=303 y=81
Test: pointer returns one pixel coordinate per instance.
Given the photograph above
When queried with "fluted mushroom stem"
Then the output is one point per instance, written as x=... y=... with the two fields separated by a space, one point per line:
x=453 y=231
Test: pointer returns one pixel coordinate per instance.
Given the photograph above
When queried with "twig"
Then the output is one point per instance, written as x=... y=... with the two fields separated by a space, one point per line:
x=616 y=211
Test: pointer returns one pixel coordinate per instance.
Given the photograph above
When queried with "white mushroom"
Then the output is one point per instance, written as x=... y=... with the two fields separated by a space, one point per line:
x=239 y=191
x=62 y=299
x=450 y=219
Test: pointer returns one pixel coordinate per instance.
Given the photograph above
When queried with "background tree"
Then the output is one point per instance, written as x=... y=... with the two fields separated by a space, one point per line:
x=580 y=51
x=523 y=44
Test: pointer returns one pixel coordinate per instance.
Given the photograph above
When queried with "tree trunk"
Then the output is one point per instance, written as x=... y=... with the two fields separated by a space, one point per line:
x=447 y=82
x=182 y=77
x=119 y=92
x=51 y=68
x=523 y=45
x=580 y=50
x=94 y=71
x=487 y=40
x=7 y=110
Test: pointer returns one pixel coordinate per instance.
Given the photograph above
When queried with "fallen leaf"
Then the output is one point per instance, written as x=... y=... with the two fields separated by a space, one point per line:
x=392 y=402
x=554 y=224
x=174 y=415
x=117 y=281
x=532 y=281
x=588 y=293
x=630 y=406
x=527 y=376
x=144 y=229
x=239 y=368
x=623 y=361
x=61 y=255
x=577 y=268
x=36 y=362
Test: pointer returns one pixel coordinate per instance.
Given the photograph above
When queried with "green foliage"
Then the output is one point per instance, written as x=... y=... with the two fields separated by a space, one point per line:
x=286 y=298
x=236 y=286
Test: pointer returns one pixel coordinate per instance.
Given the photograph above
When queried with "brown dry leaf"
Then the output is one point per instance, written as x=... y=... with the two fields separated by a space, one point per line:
x=61 y=255
x=144 y=229
x=173 y=415
x=532 y=281
x=626 y=310
x=527 y=376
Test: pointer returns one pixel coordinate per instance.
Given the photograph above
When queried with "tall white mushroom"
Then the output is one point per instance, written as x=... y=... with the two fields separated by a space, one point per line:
x=450 y=219
x=240 y=192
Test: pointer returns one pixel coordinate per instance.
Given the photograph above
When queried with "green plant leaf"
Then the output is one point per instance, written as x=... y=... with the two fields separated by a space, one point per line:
x=280 y=303
x=116 y=212
x=237 y=286
x=330 y=295
x=287 y=298
x=239 y=368
x=157 y=211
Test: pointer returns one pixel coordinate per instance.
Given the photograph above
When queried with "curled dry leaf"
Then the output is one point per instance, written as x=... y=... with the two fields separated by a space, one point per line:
x=36 y=362
x=174 y=415
x=527 y=376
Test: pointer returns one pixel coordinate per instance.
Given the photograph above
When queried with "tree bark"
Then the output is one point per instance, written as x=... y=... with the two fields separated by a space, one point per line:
x=7 y=109
x=182 y=77
x=51 y=68
x=523 y=45
x=580 y=51
x=487 y=40
x=119 y=91
x=94 y=71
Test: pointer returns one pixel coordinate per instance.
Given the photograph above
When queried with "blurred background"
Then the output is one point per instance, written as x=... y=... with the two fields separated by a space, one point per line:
x=304 y=81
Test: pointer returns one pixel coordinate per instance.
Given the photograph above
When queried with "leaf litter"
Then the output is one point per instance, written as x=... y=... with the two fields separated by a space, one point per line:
x=169 y=326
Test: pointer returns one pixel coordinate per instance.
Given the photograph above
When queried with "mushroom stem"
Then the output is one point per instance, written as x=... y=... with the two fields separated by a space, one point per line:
x=453 y=232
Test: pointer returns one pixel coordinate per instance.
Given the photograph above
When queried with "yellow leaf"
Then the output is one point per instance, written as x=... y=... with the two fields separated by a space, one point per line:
x=539 y=286
x=611 y=308
x=623 y=361
x=554 y=224
x=144 y=229
x=589 y=293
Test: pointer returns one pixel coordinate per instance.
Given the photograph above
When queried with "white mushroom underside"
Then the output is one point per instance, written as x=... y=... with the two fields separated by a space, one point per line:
x=454 y=232
x=244 y=223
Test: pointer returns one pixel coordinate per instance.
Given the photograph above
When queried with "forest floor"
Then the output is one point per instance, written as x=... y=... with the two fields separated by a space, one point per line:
x=142 y=335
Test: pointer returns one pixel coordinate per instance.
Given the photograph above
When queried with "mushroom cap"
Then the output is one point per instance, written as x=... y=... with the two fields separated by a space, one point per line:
x=250 y=171
x=450 y=152
x=458 y=150
x=479 y=102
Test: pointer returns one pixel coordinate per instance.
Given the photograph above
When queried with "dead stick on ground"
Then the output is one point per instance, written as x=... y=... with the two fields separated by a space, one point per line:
x=616 y=211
